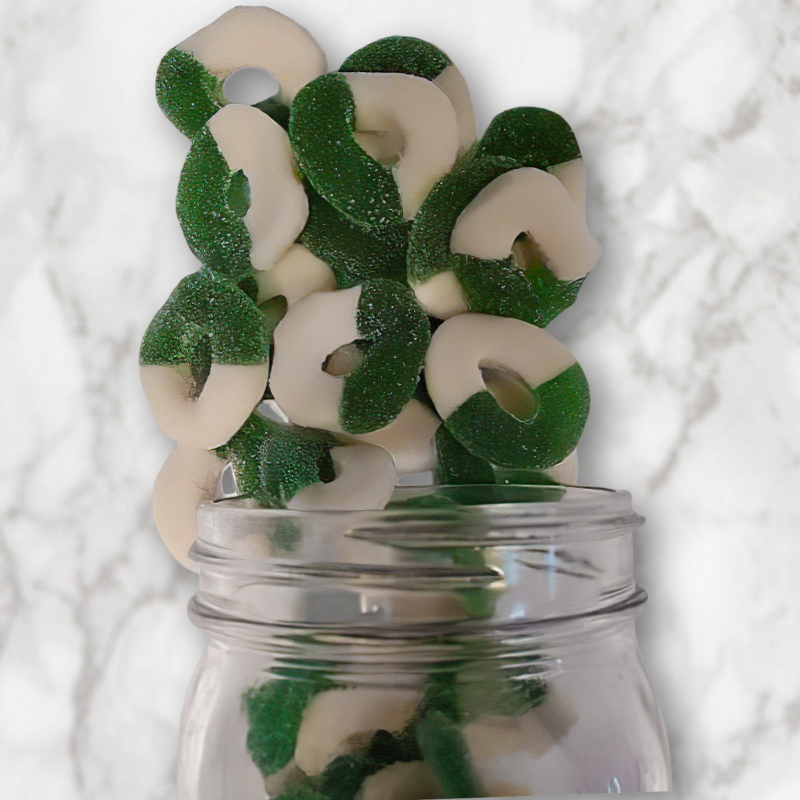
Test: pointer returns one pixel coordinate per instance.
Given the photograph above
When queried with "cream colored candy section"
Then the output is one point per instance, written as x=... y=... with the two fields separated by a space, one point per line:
x=452 y=83
x=566 y=471
x=416 y=112
x=365 y=481
x=229 y=395
x=408 y=438
x=532 y=201
x=333 y=718
x=572 y=175
x=189 y=477
x=463 y=343
x=309 y=332
x=251 y=141
x=255 y=36
x=442 y=296
x=296 y=275
x=412 y=780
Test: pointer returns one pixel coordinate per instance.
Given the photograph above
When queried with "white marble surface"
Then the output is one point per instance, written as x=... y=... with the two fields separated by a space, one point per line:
x=689 y=331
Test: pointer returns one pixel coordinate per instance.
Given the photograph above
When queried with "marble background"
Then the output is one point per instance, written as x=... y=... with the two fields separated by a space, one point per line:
x=687 y=113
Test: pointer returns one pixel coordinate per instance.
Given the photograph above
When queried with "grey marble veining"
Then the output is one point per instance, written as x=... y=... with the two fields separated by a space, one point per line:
x=689 y=331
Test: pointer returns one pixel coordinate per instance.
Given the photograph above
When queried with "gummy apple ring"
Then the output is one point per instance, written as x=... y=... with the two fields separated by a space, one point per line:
x=190 y=476
x=411 y=56
x=189 y=83
x=532 y=202
x=204 y=361
x=349 y=361
x=287 y=466
x=240 y=202
x=506 y=390
x=413 y=112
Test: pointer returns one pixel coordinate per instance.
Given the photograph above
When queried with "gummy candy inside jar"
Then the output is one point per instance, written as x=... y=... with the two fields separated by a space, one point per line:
x=369 y=305
x=434 y=649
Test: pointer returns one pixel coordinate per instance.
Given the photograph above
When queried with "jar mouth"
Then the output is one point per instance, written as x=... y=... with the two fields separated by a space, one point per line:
x=434 y=517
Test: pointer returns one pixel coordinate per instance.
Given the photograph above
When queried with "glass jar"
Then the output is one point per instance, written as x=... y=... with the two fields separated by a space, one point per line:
x=467 y=641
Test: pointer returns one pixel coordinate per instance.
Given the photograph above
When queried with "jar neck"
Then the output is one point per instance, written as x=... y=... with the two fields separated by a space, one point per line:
x=548 y=561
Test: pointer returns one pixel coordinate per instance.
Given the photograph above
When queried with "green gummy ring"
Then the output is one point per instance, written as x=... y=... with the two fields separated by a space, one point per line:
x=487 y=431
x=532 y=137
x=321 y=128
x=272 y=462
x=354 y=253
x=191 y=76
x=211 y=204
x=499 y=287
x=397 y=334
x=207 y=319
x=399 y=54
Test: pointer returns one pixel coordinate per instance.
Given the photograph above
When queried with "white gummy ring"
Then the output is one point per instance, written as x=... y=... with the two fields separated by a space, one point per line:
x=567 y=471
x=309 y=332
x=251 y=141
x=463 y=343
x=296 y=275
x=409 y=438
x=414 y=113
x=255 y=36
x=229 y=395
x=365 y=481
x=189 y=477
x=528 y=200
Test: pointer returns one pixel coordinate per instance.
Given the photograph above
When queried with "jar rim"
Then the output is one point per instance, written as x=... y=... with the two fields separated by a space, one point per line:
x=447 y=516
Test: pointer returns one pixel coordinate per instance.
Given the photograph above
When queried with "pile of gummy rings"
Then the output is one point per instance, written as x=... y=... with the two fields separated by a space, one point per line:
x=371 y=271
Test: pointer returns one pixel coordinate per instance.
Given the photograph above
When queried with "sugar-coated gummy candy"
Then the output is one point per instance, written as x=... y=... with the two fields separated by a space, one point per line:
x=406 y=54
x=328 y=113
x=275 y=713
x=296 y=275
x=334 y=717
x=190 y=78
x=365 y=477
x=466 y=345
x=384 y=323
x=204 y=361
x=355 y=254
x=527 y=202
x=287 y=466
x=240 y=202
x=189 y=477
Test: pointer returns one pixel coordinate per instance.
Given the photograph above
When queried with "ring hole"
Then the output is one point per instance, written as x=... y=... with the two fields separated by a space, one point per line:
x=345 y=359
x=528 y=255
x=385 y=147
x=510 y=391
x=250 y=85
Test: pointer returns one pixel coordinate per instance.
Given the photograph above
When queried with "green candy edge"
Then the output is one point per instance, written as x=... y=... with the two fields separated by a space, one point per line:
x=215 y=233
x=533 y=137
x=403 y=54
x=320 y=128
x=272 y=461
x=206 y=305
x=354 y=253
x=187 y=93
x=405 y=340
x=535 y=445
